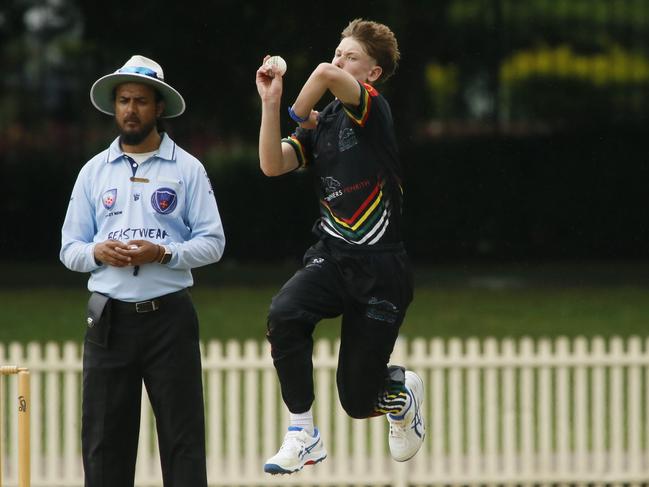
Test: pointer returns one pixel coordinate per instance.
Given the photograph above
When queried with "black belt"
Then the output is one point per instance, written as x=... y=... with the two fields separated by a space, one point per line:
x=147 y=306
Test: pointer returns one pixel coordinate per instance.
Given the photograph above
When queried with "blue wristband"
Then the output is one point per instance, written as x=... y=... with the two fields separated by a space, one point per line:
x=296 y=117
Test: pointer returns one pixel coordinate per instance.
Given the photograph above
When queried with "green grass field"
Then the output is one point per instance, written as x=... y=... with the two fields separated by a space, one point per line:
x=463 y=301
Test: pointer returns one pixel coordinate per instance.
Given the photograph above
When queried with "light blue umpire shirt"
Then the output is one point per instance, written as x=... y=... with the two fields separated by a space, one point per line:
x=167 y=200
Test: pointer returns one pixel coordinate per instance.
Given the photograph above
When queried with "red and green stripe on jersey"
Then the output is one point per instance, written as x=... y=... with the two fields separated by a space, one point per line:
x=368 y=223
x=353 y=158
x=360 y=113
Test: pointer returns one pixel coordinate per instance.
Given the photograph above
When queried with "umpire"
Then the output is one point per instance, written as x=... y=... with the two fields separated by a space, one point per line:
x=141 y=216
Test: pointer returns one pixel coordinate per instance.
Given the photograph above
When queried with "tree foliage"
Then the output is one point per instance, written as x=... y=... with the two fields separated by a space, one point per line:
x=527 y=69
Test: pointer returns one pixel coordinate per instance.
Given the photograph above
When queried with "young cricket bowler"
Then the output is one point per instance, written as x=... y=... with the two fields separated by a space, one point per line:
x=359 y=267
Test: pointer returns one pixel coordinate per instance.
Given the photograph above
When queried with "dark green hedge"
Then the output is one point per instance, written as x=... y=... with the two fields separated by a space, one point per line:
x=568 y=196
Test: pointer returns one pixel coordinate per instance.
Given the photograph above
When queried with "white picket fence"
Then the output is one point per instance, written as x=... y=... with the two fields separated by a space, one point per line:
x=510 y=412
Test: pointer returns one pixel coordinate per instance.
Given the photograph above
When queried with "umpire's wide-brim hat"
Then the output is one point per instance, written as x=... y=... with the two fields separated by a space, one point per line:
x=138 y=69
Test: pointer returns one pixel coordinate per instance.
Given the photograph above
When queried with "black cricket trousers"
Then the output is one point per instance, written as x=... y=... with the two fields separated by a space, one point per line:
x=161 y=349
x=372 y=290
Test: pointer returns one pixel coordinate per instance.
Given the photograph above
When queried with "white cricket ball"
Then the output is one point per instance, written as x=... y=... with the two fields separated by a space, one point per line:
x=278 y=63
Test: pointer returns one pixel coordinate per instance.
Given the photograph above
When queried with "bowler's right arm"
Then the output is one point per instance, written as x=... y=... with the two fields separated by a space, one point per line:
x=275 y=158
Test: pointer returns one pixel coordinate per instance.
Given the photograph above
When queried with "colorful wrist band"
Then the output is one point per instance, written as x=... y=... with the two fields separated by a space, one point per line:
x=296 y=117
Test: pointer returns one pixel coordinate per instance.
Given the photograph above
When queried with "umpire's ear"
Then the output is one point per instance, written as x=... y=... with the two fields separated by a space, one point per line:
x=160 y=107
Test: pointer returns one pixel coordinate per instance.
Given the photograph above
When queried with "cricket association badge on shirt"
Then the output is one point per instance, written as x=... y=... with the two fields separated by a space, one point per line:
x=109 y=198
x=164 y=200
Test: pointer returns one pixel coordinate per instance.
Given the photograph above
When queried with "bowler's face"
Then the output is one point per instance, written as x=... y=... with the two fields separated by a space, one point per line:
x=350 y=56
x=136 y=111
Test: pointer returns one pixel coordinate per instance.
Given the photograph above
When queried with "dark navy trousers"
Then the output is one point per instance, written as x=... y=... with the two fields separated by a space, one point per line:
x=160 y=349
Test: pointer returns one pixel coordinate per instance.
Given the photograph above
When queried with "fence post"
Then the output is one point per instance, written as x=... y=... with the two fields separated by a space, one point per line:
x=71 y=411
x=214 y=418
x=437 y=406
x=599 y=420
x=326 y=398
x=562 y=400
x=250 y=408
x=546 y=397
x=508 y=385
x=34 y=358
x=491 y=409
x=527 y=399
x=580 y=395
x=456 y=406
x=616 y=411
x=634 y=423
x=421 y=463
x=232 y=406
x=399 y=469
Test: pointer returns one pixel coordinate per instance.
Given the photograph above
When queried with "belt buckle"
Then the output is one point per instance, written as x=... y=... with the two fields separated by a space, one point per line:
x=147 y=306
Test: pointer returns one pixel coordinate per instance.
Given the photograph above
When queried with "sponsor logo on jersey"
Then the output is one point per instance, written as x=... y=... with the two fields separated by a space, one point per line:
x=126 y=234
x=316 y=261
x=356 y=186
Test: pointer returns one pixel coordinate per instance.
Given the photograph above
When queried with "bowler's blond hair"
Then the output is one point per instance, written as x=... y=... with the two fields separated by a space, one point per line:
x=379 y=43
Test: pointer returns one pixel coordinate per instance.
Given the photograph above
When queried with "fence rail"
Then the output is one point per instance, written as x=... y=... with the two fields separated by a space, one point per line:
x=502 y=412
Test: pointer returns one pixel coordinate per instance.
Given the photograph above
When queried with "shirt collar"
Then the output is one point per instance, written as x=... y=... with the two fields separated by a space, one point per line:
x=167 y=149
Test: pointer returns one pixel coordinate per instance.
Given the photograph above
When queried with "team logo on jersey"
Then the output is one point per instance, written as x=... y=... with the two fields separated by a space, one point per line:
x=346 y=139
x=332 y=188
x=330 y=184
x=109 y=198
x=164 y=200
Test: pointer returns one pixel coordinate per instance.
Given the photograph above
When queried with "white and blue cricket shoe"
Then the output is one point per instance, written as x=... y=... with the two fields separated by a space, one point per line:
x=407 y=431
x=298 y=449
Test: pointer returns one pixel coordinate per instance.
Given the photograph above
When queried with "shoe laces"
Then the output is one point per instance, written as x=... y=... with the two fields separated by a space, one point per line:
x=294 y=441
x=397 y=427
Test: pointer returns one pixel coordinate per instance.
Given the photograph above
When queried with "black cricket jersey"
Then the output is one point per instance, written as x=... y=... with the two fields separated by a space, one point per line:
x=353 y=156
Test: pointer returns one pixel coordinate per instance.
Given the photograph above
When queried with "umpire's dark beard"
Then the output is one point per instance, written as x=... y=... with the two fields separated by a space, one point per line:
x=136 y=138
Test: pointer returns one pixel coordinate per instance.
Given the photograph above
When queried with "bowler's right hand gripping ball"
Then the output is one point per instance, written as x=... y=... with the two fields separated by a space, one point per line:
x=278 y=63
